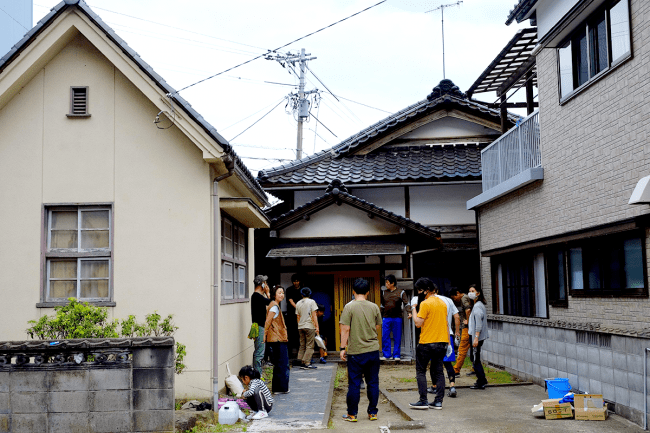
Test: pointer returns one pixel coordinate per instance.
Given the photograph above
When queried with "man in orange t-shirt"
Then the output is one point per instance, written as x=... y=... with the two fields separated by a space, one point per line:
x=432 y=347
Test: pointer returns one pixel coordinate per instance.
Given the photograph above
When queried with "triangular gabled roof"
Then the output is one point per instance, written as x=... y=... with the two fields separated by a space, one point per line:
x=337 y=194
x=354 y=156
x=222 y=145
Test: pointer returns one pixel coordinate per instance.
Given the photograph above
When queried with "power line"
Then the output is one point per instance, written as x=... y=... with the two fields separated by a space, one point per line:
x=239 y=121
x=323 y=124
x=257 y=120
x=374 y=108
x=283 y=46
x=17 y=22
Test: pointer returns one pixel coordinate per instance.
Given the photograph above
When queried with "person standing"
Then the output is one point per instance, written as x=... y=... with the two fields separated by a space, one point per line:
x=464 y=305
x=276 y=337
x=307 y=327
x=478 y=330
x=452 y=315
x=292 y=296
x=392 y=301
x=360 y=323
x=432 y=347
x=259 y=301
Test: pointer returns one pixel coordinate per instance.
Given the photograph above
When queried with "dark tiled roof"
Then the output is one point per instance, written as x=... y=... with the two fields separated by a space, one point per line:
x=336 y=195
x=520 y=10
x=443 y=95
x=146 y=68
x=389 y=164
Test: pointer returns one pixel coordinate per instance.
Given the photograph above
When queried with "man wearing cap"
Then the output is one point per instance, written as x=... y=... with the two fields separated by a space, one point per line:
x=307 y=327
x=259 y=301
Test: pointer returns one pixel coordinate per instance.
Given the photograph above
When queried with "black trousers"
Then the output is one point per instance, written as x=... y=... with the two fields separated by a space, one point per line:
x=433 y=353
x=258 y=402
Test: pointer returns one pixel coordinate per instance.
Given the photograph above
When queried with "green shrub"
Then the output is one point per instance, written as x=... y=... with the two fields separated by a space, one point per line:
x=82 y=320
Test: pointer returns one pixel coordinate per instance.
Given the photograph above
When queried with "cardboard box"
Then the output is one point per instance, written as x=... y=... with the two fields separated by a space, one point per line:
x=590 y=407
x=553 y=409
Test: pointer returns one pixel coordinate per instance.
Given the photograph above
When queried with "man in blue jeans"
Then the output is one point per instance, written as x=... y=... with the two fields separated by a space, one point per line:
x=391 y=302
x=360 y=323
x=259 y=301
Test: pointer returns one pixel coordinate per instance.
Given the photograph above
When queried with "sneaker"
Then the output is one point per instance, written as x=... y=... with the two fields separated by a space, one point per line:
x=452 y=392
x=397 y=358
x=363 y=385
x=260 y=415
x=308 y=367
x=372 y=416
x=282 y=392
x=419 y=405
x=431 y=390
x=471 y=373
x=478 y=386
x=382 y=358
x=250 y=415
x=350 y=418
x=323 y=361
x=437 y=405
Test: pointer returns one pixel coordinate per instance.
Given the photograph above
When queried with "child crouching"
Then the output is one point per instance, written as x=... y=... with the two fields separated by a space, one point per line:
x=257 y=396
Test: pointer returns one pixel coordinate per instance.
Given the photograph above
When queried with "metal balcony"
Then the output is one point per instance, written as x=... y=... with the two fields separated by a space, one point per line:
x=511 y=161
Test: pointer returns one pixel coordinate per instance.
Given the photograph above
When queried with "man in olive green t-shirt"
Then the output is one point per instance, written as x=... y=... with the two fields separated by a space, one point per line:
x=360 y=324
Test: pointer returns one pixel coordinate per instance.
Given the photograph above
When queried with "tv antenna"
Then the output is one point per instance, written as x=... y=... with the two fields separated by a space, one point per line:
x=441 y=8
x=300 y=102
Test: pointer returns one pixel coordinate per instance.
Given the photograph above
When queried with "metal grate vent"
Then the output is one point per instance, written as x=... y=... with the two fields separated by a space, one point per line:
x=581 y=337
x=605 y=340
x=79 y=102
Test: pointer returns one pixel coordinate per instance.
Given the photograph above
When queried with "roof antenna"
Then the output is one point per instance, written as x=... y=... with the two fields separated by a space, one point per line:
x=442 y=12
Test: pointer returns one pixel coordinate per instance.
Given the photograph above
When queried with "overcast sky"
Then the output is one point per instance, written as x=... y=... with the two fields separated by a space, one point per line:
x=387 y=57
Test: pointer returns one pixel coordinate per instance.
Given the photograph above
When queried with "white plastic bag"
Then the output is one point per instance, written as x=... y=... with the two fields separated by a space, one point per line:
x=233 y=383
x=450 y=350
x=319 y=341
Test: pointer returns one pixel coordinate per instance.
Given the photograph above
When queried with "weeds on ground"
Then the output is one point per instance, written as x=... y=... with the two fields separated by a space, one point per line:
x=340 y=380
x=492 y=374
x=211 y=425
x=267 y=374
x=407 y=379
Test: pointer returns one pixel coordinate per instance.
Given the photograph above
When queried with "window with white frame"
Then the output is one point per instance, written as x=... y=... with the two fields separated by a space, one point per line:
x=596 y=45
x=519 y=285
x=78 y=257
x=234 y=238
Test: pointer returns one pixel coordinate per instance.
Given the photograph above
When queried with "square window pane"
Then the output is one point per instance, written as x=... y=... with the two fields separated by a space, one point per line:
x=96 y=219
x=64 y=220
x=226 y=238
x=633 y=252
x=94 y=269
x=63 y=289
x=94 y=289
x=619 y=18
x=66 y=239
x=95 y=239
x=63 y=269
x=242 y=281
x=566 y=69
x=227 y=281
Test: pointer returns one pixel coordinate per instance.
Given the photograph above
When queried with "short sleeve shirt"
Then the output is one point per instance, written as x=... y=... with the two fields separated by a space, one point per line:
x=304 y=308
x=258 y=308
x=451 y=310
x=362 y=317
x=435 y=329
x=465 y=304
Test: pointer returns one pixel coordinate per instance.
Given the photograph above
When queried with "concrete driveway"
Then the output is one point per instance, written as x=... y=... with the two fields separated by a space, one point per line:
x=499 y=409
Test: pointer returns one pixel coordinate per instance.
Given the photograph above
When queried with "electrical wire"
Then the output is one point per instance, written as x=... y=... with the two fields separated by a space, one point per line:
x=247 y=117
x=312 y=114
x=265 y=159
x=17 y=22
x=283 y=46
x=258 y=120
x=359 y=103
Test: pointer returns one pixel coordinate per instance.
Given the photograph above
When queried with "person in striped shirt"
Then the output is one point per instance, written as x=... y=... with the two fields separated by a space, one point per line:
x=257 y=396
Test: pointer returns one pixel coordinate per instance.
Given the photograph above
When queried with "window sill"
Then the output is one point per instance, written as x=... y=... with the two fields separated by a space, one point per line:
x=52 y=304
x=594 y=80
x=78 y=116
x=640 y=293
x=559 y=304
x=234 y=301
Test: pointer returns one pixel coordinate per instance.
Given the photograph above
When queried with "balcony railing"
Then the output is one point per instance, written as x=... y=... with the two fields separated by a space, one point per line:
x=513 y=153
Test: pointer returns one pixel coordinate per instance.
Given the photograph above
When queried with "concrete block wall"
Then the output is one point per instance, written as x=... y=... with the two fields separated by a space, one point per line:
x=597 y=363
x=134 y=394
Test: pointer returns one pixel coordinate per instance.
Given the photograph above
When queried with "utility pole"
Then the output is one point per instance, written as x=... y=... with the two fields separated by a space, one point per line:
x=300 y=102
x=442 y=12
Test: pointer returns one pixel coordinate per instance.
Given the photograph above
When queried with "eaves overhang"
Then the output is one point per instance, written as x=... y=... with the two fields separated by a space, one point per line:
x=245 y=211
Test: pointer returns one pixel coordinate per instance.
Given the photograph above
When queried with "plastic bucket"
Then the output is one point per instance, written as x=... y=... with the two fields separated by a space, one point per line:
x=558 y=387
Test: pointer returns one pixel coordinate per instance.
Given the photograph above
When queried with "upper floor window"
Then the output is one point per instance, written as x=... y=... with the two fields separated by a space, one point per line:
x=598 y=44
x=78 y=255
x=234 y=240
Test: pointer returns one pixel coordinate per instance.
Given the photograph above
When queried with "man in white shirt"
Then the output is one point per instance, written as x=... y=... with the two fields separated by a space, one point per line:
x=452 y=313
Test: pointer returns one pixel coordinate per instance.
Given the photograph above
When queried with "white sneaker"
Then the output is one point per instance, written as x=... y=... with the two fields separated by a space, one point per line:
x=250 y=415
x=382 y=358
x=260 y=415
x=397 y=359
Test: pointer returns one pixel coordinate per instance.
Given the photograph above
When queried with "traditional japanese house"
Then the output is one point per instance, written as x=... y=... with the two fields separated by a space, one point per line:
x=388 y=200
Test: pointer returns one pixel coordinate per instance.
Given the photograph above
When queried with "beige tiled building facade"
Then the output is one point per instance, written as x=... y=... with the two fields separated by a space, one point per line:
x=564 y=260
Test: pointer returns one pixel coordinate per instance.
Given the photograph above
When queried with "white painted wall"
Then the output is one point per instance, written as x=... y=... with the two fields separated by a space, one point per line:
x=391 y=199
x=443 y=204
x=337 y=222
x=549 y=12
x=450 y=127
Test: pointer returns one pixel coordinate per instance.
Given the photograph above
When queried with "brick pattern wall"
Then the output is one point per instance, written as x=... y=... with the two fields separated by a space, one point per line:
x=595 y=148
x=611 y=365
x=136 y=395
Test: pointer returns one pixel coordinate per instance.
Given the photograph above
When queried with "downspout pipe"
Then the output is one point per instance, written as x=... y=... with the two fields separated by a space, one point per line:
x=216 y=233
x=645 y=388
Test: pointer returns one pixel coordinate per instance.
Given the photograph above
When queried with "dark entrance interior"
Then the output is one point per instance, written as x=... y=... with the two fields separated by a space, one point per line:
x=322 y=288
x=448 y=269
